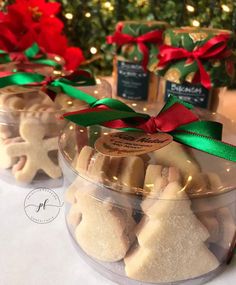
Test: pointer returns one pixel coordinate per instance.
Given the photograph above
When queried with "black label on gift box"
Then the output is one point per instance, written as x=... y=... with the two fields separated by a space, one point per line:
x=132 y=81
x=194 y=94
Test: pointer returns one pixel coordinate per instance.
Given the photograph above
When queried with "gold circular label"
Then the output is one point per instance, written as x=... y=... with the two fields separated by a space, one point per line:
x=121 y=144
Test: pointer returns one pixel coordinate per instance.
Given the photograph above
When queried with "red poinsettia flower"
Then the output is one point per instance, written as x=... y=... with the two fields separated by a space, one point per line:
x=7 y=38
x=29 y=21
x=52 y=42
x=25 y=13
x=73 y=57
x=42 y=35
x=34 y=10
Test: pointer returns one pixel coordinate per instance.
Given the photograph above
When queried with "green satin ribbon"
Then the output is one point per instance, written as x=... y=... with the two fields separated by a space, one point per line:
x=34 y=55
x=56 y=85
x=21 y=78
x=202 y=135
x=4 y=57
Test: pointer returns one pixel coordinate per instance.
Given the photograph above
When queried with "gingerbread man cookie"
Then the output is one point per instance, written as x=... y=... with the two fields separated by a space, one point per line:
x=7 y=161
x=47 y=113
x=36 y=150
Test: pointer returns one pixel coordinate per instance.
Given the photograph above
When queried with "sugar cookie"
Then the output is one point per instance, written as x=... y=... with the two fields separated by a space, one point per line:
x=175 y=154
x=102 y=231
x=156 y=179
x=7 y=161
x=74 y=215
x=124 y=173
x=131 y=172
x=170 y=223
x=84 y=158
x=227 y=227
x=36 y=150
x=69 y=195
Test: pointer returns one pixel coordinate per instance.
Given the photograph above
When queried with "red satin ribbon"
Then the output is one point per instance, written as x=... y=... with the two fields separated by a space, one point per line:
x=120 y=39
x=170 y=119
x=18 y=57
x=166 y=121
x=215 y=48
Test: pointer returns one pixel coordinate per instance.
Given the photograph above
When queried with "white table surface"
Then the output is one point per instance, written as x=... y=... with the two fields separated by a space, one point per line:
x=43 y=254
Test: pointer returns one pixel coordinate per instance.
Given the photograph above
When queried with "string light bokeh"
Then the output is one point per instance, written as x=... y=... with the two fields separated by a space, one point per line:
x=89 y=22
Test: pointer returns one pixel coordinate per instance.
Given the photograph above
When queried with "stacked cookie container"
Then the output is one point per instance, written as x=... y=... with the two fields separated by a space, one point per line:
x=164 y=216
x=31 y=106
x=33 y=59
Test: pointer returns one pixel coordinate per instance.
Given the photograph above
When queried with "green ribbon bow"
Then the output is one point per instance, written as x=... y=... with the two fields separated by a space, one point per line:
x=202 y=135
x=33 y=54
x=57 y=85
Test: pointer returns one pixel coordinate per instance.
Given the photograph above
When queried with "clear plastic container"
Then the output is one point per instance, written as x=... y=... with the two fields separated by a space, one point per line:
x=29 y=128
x=166 y=217
x=102 y=89
x=31 y=109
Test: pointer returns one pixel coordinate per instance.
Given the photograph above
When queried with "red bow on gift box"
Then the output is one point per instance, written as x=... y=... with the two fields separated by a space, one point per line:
x=215 y=48
x=120 y=39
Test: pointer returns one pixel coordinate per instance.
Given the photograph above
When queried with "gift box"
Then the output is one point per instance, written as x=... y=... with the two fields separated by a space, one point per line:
x=194 y=63
x=139 y=213
x=135 y=46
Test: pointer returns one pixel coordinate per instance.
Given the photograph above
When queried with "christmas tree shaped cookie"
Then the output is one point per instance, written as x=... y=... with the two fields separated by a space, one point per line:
x=103 y=220
x=170 y=242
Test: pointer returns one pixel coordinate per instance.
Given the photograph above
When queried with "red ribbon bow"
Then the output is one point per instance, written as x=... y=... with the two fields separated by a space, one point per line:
x=120 y=39
x=215 y=48
x=169 y=120
x=166 y=121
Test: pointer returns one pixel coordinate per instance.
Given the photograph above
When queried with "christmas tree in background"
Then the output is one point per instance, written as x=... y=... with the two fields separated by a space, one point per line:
x=87 y=23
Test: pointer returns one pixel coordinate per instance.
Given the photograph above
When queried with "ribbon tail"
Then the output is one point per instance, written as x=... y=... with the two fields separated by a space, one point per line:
x=58 y=86
x=204 y=76
x=96 y=116
x=113 y=104
x=206 y=144
x=172 y=100
x=47 y=62
x=204 y=128
x=21 y=78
